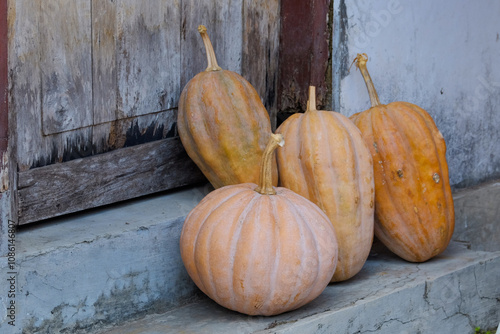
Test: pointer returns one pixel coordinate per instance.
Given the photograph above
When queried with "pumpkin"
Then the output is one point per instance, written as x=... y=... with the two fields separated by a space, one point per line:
x=413 y=201
x=259 y=250
x=222 y=124
x=327 y=161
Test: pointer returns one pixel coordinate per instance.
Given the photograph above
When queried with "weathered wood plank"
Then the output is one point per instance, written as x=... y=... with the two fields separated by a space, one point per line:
x=148 y=56
x=142 y=54
x=134 y=131
x=66 y=65
x=5 y=161
x=304 y=54
x=29 y=146
x=104 y=60
x=224 y=23
x=193 y=59
x=103 y=179
x=228 y=28
x=4 y=77
x=261 y=50
x=24 y=66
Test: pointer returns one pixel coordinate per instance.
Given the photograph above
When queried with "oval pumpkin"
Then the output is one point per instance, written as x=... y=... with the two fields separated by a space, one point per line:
x=326 y=161
x=413 y=201
x=223 y=124
x=259 y=250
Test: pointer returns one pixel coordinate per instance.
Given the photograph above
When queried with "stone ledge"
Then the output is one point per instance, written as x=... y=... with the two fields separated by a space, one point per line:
x=81 y=273
x=477 y=216
x=452 y=293
x=85 y=271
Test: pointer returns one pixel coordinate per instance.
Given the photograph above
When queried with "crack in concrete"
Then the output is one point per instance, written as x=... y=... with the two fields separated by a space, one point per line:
x=69 y=246
x=380 y=325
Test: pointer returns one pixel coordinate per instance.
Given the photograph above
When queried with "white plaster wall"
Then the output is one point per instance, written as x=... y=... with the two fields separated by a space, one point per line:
x=441 y=55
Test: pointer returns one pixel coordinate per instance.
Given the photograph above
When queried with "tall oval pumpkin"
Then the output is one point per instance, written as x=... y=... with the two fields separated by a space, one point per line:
x=259 y=250
x=413 y=201
x=223 y=124
x=326 y=161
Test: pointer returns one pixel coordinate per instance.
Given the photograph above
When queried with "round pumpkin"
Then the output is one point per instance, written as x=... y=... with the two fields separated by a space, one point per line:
x=413 y=201
x=223 y=124
x=259 y=250
x=326 y=161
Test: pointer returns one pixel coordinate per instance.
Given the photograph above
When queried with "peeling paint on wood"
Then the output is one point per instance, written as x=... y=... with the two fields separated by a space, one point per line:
x=304 y=54
x=148 y=57
x=340 y=67
x=104 y=179
x=4 y=126
x=95 y=76
x=4 y=172
x=113 y=135
x=260 y=53
x=63 y=147
x=224 y=23
x=24 y=78
x=65 y=65
x=104 y=61
x=136 y=65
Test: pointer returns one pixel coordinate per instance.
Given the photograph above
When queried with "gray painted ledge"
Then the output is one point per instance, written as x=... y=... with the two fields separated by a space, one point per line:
x=452 y=293
x=87 y=272
x=84 y=271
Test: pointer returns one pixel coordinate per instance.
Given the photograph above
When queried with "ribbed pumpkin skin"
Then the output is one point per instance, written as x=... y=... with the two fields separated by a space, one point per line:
x=258 y=254
x=326 y=161
x=413 y=201
x=224 y=127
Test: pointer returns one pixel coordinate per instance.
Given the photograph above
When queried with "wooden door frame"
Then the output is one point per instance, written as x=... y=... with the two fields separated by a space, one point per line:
x=304 y=59
x=305 y=55
x=4 y=88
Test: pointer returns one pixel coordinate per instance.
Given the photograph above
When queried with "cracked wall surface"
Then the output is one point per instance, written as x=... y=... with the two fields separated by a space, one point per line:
x=439 y=55
x=430 y=300
x=100 y=268
x=452 y=293
x=101 y=282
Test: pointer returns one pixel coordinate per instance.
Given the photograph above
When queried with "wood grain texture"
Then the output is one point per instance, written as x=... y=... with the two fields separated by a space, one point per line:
x=90 y=77
x=224 y=25
x=134 y=131
x=104 y=78
x=304 y=54
x=66 y=65
x=103 y=179
x=24 y=66
x=31 y=148
x=136 y=58
x=260 y=53
x=148 y=56
x=4 y=79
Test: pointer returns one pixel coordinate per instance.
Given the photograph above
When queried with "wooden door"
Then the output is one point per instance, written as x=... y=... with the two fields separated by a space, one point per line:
x=94 y=87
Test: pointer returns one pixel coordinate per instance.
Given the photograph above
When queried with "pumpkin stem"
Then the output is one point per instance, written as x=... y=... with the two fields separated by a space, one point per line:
x=311 y=102
x=360 y=62
x=265 y=186
x=212 y=61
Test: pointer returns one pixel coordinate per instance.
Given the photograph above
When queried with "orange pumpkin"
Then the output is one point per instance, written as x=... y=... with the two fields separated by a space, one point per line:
x=326 y=161
x=223 y=124
x=259 y=250
x=413 y=201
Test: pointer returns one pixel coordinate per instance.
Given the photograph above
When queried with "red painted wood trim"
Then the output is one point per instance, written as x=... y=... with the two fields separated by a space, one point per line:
x=304 y=53
x=4 y=83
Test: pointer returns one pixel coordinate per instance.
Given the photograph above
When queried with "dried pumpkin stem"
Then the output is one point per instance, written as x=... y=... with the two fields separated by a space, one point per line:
x=360 y=62
x=212 y=61
x=311 y=102
x=266 y=167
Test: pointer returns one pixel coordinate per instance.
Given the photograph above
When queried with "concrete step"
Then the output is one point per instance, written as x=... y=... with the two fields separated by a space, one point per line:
x=90 y=271
x=453 y=293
